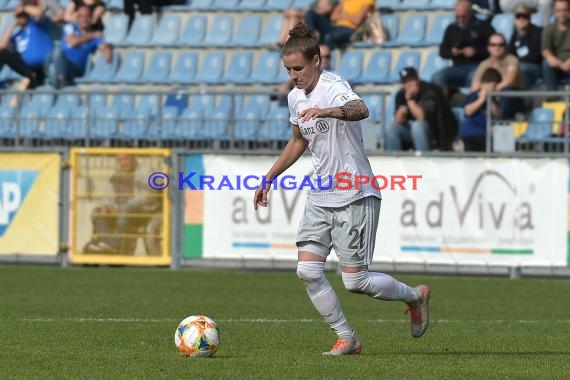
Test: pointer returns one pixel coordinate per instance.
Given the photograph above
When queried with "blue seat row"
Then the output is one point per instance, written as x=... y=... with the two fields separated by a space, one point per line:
x=250 y=32
x=186 y=69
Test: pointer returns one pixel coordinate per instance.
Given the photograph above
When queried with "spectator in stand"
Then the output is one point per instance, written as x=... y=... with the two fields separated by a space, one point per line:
x=465 y=43
x=544 y=7
x=78 y=43
x=423 y=116
x=526 y=45
x=50 y=10
x=26 y=44
x=473 y=130
x=97 y=7
x=345 y=19
x=508 y=66
x=556 y=47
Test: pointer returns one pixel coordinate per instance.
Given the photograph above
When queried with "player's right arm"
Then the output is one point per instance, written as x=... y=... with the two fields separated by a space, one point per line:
x=293 y=150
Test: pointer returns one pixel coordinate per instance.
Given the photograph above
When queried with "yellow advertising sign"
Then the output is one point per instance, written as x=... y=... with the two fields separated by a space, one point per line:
x=29 y=203
x=115 y=216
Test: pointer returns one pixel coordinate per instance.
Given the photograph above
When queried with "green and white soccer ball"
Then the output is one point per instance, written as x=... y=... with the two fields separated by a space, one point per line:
x=197 y=336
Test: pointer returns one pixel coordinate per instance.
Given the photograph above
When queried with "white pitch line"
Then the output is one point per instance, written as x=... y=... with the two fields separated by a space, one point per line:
x=266 y=320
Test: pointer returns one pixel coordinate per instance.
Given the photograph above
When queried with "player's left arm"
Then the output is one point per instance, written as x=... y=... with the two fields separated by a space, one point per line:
x=353 y=110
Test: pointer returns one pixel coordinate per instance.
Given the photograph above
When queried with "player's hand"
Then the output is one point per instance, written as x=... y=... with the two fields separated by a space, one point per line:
x=313 y=113
x=260 y=198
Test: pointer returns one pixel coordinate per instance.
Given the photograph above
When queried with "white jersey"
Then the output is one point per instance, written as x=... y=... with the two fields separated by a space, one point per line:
x=336 y=145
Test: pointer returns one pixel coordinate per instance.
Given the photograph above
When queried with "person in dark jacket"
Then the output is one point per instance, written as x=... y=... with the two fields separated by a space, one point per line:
x=423 y=116
x=465 y=43
x=526 y=45
x=473 y=130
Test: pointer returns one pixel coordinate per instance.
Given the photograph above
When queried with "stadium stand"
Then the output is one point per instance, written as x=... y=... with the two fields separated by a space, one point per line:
x=221 y=47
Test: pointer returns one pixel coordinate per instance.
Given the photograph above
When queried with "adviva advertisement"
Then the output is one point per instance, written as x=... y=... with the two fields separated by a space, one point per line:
x=470 y=210
x=29 y=203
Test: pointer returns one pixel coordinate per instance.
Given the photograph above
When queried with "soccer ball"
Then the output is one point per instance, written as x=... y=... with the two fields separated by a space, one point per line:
x=197 y=336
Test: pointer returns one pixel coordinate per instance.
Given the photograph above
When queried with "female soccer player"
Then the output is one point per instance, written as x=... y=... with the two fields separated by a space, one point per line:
x=325 y=115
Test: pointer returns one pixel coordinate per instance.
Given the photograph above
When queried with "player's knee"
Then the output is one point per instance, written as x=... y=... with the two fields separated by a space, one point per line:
x=355 y=282
x=309 y=272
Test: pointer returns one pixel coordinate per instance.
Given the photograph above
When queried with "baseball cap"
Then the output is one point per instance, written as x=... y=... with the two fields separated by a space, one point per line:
x=408 y=73
x=522 y=9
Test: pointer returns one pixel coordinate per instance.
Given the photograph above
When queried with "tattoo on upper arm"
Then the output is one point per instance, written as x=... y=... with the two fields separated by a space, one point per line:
x=354 y=110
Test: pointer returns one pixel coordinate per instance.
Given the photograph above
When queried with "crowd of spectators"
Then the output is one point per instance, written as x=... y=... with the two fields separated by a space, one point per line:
x=50 y=44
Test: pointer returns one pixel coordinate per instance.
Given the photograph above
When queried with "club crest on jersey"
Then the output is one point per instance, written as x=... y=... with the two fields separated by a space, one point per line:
x=322 y=126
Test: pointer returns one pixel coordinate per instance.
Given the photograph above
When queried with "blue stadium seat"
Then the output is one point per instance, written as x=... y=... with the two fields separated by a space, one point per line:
x=7 y=74
x=260 y=102
x=216 y=124
x=391 y=23
x=42 y=101
x=276 y=126
x=504 y=24
x=167 y=32
x=211 y=69
x=406 y=59
x=459 y=113
x=301 y=4
x=413 y=31
x=252 y=5
x=168 y=121
x=203 y=102
x=158 y=69
x=374 y=104
x=239 y=69
x=115 y=4
x=190 y=125
x=97 y=98
x=184 y=69
x=29 y=122
x=414 y=4
x=77 y=123
x=101 y=71
x=248 y=31
x=351 y=66
x=141 y=31
x=537 y=19
x=378 y=68
x=439 y=24
x=433 y=64
x=442 y=4
x=267 y=69
x=194 y=32
x=201 y=4
x=277 y=5
x=137 y=123
x=116 y=29
x=248 y=123
x=178 y=99
x=131 y=68
x=149 y=102
x=67 y=98
x=56 y=122
x=539 y=126
x=123 y=100
x=226 y=5
x=220 y=32
x=104 y=122
x=271 y=30
x=387 y=4
x=7 y=125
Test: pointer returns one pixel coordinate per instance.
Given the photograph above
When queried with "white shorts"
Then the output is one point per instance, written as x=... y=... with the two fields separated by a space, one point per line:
x=350 y=230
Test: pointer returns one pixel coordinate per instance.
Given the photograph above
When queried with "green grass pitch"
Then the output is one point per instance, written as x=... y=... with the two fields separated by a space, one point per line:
x=119 y=323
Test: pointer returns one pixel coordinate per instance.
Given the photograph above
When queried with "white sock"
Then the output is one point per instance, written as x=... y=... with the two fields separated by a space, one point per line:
x=380 y=286
x=323 y=296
